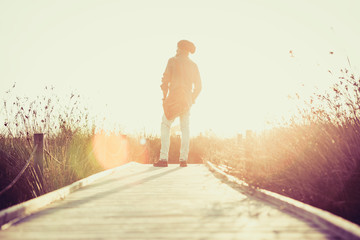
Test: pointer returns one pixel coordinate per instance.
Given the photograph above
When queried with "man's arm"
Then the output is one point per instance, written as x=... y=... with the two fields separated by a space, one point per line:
x=166 y=79
x=197 y=84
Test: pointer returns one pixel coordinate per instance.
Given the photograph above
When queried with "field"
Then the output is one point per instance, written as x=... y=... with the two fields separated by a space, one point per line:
x=314 y=157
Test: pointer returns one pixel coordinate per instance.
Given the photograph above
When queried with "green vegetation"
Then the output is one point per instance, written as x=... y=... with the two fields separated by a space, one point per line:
x=68 y=147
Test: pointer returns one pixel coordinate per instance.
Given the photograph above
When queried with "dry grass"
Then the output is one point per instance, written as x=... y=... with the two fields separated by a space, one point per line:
x=314 y=158
x=68 y=144
x=74 y=148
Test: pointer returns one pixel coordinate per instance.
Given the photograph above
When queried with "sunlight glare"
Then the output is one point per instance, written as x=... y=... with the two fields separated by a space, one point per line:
x=111 y=150
x=142 y=141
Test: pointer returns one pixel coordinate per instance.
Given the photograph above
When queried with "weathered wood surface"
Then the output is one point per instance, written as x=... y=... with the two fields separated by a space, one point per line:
x=143 y=202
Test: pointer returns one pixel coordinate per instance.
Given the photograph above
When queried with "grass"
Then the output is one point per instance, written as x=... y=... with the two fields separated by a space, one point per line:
x=303 y=163
x=73 y=148
x=314 y=158
x=68 y=144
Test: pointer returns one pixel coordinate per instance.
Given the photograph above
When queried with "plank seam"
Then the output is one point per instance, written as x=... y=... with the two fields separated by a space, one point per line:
x=14 y=213
x=339 y=226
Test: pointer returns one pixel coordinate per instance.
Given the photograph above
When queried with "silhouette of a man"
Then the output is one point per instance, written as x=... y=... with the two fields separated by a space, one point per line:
x=181 y=85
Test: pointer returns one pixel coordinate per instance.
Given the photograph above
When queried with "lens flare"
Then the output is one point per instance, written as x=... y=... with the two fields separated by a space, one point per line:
x=111 y=150
x=142 y=141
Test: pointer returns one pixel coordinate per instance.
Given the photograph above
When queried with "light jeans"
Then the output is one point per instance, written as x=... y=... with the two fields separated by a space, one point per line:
x=185 y=137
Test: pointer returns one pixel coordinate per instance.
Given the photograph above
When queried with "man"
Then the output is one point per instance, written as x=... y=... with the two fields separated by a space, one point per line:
x=181 y=85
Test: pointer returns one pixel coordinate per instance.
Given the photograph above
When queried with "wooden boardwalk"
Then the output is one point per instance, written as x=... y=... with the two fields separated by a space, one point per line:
x=143 y=202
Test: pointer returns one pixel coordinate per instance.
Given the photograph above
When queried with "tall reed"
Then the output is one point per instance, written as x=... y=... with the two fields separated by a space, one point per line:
x=68 y=144
x=314 y=158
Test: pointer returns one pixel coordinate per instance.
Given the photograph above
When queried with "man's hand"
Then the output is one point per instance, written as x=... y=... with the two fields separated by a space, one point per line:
x=164 y=95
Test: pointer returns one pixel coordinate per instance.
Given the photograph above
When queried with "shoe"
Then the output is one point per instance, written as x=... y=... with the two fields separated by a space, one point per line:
x=183 y=164
x=160 y=163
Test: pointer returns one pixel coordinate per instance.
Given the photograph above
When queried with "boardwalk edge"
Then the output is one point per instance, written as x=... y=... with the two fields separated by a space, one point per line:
x=334 y=223
x=14 y=213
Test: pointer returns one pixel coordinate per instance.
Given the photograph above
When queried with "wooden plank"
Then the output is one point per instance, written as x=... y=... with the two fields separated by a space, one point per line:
x=143 y=202
x=336 y=224
x=12 y=214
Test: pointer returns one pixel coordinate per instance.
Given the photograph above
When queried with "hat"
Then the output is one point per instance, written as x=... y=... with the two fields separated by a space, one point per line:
x=186 y=45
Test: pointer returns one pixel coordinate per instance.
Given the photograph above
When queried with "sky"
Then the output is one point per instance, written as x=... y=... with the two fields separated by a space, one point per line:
x=113 y=53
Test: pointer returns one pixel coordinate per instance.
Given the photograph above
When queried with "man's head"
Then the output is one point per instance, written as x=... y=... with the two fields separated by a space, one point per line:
x=185 y=47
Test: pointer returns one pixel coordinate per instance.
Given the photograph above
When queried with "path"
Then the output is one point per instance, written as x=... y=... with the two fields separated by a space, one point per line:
x=143 y=202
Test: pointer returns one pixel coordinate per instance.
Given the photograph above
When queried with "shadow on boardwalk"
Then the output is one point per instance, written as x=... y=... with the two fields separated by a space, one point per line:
x=143 y=202
x=105 y=194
